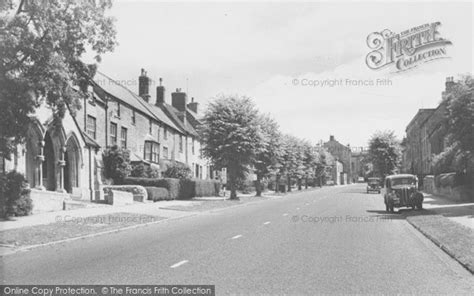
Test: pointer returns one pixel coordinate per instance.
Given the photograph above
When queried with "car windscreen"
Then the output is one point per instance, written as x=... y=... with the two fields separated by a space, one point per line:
x=403 y=181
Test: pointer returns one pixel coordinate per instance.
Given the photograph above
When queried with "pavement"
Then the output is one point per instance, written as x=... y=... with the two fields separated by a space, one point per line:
x=459 y=212
x=335 y=240
x=155 y=209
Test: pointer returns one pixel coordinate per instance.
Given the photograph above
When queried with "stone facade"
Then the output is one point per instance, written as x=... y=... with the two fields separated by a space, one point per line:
x=341 y=153
x=68 y=160
x=425 y=137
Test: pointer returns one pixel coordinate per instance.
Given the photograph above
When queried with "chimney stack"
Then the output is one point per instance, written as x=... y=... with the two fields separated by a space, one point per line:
x=193 y=106
x=331 y=138
x=160 y=93
x=179 y=101
x=449 y=83
x=144 y=86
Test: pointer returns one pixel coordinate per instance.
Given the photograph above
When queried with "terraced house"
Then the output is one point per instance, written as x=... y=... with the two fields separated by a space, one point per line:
x=67 y=163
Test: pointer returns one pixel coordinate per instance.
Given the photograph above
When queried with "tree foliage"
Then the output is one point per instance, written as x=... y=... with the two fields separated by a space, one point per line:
x=269 y=156
x=459 y=155
x=384 y=153
x=232 y=136
x=41 y=45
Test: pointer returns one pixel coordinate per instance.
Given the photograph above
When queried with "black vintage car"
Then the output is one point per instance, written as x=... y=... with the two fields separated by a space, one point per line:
x=373 y=184
x=402 y=191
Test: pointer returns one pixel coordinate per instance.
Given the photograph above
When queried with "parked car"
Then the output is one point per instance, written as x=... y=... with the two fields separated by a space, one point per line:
x=402 y=191
x=360 y=180
x=373 y=184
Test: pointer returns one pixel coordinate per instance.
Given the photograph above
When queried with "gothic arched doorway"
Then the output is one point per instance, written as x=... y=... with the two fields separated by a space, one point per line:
x=49 y=164
x=73 y=163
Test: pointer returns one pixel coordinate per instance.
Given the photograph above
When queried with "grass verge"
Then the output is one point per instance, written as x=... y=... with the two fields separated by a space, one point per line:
x=453 y=238
x=71 y=227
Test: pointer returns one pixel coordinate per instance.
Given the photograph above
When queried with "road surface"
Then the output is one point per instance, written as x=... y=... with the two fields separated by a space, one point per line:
x=331 y=240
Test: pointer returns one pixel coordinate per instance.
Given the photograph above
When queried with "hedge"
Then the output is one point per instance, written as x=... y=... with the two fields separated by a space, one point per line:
x=179 y=188
x=157 y=193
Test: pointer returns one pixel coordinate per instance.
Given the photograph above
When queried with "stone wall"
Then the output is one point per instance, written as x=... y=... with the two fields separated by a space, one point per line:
x=445 y=185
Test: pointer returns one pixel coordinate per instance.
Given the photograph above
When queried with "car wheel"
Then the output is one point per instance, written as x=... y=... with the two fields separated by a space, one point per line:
x=420 y=206
x=392 y=209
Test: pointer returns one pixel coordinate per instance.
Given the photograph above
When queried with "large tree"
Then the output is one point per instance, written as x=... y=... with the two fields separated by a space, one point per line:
x=384 y=153
x=459 y=153
x=268 y=159
x=41 y=45
x=231 y=136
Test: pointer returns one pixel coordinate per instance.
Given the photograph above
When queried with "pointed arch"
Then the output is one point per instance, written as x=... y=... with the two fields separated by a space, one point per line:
x=34 y=138
x=73 y=158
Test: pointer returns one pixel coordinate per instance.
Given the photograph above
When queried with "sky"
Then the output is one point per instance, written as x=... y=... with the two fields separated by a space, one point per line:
x=304 y=63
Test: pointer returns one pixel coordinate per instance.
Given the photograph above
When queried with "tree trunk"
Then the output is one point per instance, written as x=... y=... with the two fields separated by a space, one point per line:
x=300 y=187
x=306 y=183
x=277 y=183
x=258 y=185
x=289 y=183
x=232 y=184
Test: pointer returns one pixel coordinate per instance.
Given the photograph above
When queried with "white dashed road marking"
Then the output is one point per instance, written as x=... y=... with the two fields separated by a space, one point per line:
x=266 y=223
x=237 y=236
x=179 y=264
x=285 y=214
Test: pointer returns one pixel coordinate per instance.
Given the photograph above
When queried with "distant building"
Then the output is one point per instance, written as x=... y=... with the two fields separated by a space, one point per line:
x=358 y=155
x=341 y=153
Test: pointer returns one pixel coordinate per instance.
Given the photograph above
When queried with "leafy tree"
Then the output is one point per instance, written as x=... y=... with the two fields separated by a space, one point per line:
x=231 y=136
x=41 y=45
x=292 y=159
x=384 y=153
x=310 y=161
x=177 y=170
x=459 y=155
x=270 y=153
x=117 y=164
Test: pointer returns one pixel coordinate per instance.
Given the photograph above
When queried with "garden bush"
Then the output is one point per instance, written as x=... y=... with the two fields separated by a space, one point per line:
x=157 y=193
x=116 y=164
x=14 y=195
x=142 y=171
x=177 y=170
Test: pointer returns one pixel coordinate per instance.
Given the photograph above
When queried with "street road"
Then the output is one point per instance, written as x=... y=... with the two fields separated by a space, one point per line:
x=331 y=240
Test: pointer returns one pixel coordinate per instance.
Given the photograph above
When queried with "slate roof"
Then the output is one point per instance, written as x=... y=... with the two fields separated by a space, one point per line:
x=125 y=95
x=172 y=112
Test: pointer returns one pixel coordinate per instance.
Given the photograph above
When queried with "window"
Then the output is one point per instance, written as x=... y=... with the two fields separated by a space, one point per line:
x=91 y=126
x=123 y=137
x=152 y=151
x=192 y=148
x=113 y=134
x=133 y=117
x=165 y=133
x=165 y=152
x=181 y=143
x=150 y=127
x=118 y=109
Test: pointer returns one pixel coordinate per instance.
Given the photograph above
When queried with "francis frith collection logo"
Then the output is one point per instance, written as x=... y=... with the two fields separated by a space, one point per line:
x=407 y=49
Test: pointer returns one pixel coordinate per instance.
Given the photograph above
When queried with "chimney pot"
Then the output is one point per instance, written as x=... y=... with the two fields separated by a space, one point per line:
x=160 y=93
x=144 y=85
